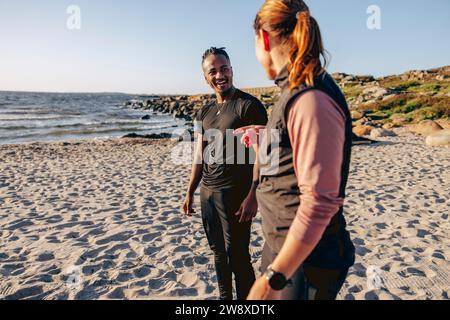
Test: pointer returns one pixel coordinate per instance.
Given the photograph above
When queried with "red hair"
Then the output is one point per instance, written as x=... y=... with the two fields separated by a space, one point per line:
x=291 y=23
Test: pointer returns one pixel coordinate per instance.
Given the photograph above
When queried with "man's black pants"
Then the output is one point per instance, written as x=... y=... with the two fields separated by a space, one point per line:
x=229 y=240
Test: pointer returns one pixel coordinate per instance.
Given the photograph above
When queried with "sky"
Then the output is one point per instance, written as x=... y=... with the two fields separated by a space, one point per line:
x=155 y=46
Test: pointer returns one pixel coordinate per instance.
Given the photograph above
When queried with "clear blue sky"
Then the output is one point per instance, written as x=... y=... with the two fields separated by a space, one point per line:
x=155 y=46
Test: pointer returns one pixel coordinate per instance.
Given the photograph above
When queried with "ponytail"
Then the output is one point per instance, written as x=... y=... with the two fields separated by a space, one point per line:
x=291 y=22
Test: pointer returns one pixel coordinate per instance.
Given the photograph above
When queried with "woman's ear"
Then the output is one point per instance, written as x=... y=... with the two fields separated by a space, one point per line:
x=265 y=36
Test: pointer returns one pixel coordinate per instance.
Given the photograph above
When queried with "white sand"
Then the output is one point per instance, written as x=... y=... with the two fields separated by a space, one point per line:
x=101 y=220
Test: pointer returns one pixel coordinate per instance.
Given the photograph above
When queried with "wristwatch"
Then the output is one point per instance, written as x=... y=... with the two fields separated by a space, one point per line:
x=277 y=280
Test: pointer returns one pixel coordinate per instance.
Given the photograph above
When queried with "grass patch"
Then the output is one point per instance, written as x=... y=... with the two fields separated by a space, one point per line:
x=409 y=107
x=353 y=91
x=427 y=87
x=388 y=104
x=407 y=86
x=432 y=113
x=414 y=107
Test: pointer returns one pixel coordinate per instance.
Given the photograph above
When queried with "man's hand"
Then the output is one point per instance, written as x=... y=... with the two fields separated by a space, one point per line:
x=251 y=135
x=261 y=290
x=248 y=209
x=187 y=207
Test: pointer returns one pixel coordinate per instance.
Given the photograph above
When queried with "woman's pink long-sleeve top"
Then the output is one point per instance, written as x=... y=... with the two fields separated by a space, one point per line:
x=316 y=128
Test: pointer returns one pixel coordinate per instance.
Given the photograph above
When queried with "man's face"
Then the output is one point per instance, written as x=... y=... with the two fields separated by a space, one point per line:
x=218 y=73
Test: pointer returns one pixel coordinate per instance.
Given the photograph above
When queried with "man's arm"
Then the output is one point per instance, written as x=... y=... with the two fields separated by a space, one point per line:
x=196 y=177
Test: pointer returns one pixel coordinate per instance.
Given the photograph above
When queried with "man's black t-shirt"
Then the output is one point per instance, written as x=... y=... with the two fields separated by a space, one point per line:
x=235 y=167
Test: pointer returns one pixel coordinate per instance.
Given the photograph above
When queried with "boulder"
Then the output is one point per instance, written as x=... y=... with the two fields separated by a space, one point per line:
x=378 y=133
x=148 y=136
x=389 y=96
x=444 y=123
x=426 y=127
x=146 y=117
x=147 y=103
x=375 y=92
x=398 y=119
x=173 y=106
x=441 y=138
x=361 y=122
x=362 y=130
x=339 y=76
x=388 y=126
x=349 y=78
x=366 y=78
x=356 y=115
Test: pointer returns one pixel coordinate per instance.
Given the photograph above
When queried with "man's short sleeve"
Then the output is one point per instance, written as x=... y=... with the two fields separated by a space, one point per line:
x=198 y=121
x=255 y=113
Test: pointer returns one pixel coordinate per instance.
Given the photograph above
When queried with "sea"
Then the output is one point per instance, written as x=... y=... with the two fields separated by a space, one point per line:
x=27 y=117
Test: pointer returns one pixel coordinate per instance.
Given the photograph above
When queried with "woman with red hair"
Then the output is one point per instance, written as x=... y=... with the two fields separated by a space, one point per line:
x=308 y=250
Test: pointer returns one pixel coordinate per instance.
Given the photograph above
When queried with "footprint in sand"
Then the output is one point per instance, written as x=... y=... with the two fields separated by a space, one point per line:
x=185 y=292
x=25 y=293
x=46 y=256
x=92 y=269
x=118 y=237
x=117 y=294
x=142 y=272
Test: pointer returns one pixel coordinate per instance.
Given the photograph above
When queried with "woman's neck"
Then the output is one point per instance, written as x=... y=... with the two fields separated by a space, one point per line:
x=279 y=59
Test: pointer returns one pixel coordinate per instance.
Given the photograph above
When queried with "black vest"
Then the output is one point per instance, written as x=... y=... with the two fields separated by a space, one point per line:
x=278 y=193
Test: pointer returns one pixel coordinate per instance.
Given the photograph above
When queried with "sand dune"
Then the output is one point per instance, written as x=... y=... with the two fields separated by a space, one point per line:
x=101 y=220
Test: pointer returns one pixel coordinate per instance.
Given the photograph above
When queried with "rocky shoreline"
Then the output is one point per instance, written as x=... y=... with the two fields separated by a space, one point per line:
x=417 y=100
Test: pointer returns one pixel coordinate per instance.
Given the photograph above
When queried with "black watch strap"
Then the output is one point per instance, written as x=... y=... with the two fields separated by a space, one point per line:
x=277 y=280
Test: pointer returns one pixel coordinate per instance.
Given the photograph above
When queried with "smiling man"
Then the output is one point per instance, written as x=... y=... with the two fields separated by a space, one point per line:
x=228 y=190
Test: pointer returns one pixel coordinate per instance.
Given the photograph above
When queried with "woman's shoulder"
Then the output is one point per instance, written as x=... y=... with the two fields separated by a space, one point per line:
x=315 y=102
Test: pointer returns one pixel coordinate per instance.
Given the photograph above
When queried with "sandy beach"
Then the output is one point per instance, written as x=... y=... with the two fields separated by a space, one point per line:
x=100 y=219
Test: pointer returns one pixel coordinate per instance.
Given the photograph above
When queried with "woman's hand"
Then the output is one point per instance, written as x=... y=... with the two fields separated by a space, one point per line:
x=251 y=135
x=261 y=290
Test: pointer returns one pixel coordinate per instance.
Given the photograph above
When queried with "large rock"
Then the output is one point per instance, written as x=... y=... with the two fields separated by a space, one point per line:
x=362 y=130
x=349 y=78
x=378 y=133
x=426 y=127
x=173 y=107
x=366 y=78
x=388 y=126
x=339 y=76
x=418 y=75
x=147 y=103
x=375 y=92
x=444 y=123
x=441 y=138
x=356 y=115
x=153 y=136
x=398 y=119
x=361 y=122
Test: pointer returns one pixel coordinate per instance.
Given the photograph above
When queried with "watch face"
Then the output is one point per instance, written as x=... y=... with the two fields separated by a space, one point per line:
x=277 y=281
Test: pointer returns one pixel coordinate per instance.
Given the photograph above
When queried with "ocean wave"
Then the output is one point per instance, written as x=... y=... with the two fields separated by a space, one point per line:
x=21 y=118
x=117 y=124
x=86 y=131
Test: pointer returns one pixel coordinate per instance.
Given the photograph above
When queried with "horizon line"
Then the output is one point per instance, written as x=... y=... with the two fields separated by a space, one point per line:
x=196 y=94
